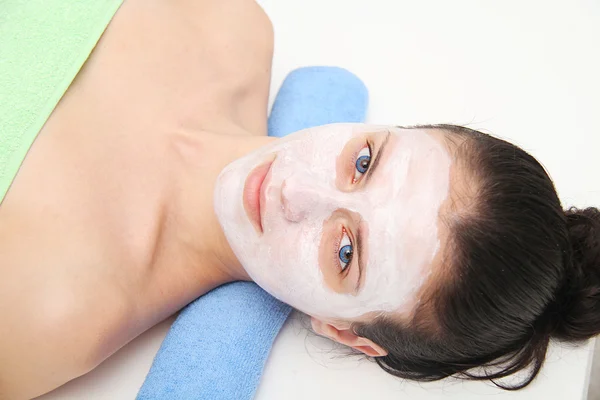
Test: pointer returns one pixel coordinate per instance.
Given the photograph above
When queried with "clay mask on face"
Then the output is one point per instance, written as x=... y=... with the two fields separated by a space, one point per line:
x=314 y=205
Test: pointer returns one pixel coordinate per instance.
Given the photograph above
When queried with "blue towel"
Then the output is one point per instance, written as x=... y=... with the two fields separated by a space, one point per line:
x=314 y=96
x=218 y=345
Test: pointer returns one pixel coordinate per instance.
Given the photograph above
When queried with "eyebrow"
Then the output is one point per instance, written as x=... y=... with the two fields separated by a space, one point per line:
x=373 y=167
x=361 y=265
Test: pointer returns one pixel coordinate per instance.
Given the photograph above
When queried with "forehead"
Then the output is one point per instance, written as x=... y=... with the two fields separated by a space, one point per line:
x=404 y=218
x=412 y=166
x=411 y=183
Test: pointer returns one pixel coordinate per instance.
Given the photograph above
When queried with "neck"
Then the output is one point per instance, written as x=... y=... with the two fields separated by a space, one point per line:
x=193 y=229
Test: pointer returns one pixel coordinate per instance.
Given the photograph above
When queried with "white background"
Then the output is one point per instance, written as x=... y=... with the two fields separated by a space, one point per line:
x=526 y=71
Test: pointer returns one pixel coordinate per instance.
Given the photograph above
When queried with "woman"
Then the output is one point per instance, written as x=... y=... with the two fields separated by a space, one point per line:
x=434 y=249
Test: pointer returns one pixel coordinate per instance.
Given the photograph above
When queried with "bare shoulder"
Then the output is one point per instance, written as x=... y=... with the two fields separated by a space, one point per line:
x=208 y=58
x=51 y=331
x=61 y=305
x=219 y=29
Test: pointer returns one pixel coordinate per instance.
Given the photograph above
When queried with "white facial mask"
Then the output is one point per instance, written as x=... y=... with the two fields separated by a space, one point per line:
x=399 y=206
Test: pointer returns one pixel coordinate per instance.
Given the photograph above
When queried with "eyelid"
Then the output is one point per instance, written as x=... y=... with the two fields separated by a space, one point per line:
x=377 y=157
x=368 y=144
x=336 y=247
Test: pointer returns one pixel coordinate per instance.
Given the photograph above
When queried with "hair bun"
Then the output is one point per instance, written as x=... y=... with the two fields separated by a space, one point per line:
x=578 y=301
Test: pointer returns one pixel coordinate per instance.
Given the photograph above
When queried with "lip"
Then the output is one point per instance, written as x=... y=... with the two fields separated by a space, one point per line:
x=254 y=193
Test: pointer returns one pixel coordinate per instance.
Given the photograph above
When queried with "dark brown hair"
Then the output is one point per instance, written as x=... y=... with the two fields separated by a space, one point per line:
x=520 y=270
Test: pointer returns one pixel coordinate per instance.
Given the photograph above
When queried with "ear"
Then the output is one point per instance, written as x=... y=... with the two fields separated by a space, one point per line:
x=342 y=333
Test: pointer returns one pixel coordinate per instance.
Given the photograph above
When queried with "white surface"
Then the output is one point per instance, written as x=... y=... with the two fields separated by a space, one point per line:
x=523 y=70
x=594 y=388
x=305 y=366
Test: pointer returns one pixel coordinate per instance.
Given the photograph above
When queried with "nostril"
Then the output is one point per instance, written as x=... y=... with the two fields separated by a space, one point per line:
x=292 y=215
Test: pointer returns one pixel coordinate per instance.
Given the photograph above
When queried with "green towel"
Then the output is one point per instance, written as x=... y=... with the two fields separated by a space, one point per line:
x=43 y=44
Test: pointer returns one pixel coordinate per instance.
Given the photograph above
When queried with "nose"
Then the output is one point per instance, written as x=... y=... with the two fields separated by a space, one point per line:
x=302 y=197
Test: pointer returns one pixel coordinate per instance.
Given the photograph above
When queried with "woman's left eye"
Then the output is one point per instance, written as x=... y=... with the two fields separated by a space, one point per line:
x=345 y=251
x=363 y=160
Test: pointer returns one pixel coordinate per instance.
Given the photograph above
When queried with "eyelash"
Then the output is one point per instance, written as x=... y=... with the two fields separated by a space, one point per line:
x=357 y=156
x=340 y=243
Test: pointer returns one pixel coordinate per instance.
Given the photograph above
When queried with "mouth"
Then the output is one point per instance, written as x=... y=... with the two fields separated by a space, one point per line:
x=254 y=194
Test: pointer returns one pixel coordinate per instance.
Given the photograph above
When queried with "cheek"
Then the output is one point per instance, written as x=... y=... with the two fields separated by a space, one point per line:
x=293 y=273
x=291 y=247
x=322 y=147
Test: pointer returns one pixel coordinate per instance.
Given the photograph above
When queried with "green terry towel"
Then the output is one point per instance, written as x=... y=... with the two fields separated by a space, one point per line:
x=43 y=44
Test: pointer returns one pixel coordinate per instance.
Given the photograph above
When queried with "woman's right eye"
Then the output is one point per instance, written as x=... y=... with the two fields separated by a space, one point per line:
x=345 y=251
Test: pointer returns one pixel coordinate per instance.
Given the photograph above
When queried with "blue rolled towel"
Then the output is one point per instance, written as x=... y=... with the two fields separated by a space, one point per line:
x=217 y=347
x=314 y=96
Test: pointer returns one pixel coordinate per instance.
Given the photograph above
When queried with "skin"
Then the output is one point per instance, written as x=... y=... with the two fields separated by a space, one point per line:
x=103 y=233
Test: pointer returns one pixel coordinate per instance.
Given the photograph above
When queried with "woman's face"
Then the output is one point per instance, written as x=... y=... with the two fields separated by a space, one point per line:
x=340 y=220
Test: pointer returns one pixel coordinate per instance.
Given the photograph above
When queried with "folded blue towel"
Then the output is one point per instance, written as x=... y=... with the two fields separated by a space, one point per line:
x=218 y=345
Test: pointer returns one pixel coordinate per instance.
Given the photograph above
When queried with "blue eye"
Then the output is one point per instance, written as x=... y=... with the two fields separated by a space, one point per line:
x=363 y=160
x=345 y=252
